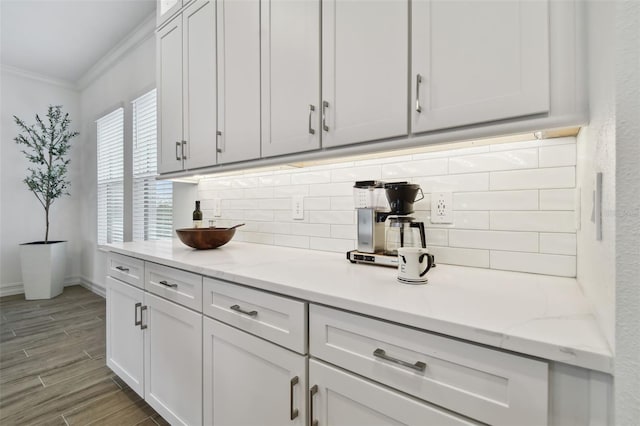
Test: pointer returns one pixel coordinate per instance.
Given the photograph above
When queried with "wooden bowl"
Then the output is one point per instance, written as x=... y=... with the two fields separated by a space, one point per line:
x=205 y=238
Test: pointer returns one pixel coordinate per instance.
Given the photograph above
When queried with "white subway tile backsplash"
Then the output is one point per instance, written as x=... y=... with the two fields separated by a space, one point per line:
x=454 y=183
x=513 y=204
x=496 y=200
x=559 y=177
x=460 y=256
x=558 y=243
x=414 y=168
x=331 y=244
x=305 y=178
x=549 y=264
x=503 y=160
x=331 y=189
x=311 y=229
x=498 y=240
x=352 y=174
x=556 y=156
x=539 y=221
x=557 y=199
x=348 y=232
x=291 y=241
x=337 y=217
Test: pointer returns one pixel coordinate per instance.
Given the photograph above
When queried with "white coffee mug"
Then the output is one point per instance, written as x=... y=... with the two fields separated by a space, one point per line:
x=413 y=265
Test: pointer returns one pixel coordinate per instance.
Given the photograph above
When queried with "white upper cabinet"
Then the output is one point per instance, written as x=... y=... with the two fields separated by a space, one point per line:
x=364 y=70
x=238 y=80
x=290 y=76
x=478 y=61
x=199 y=84
x=165 y=9
x=169 y=82
x=186 y=56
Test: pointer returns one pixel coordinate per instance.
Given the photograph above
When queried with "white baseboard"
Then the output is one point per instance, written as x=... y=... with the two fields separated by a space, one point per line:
x=18 y=288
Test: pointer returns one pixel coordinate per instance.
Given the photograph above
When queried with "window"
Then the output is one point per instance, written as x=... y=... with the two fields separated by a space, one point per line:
x=110 y=177
x=152 y=199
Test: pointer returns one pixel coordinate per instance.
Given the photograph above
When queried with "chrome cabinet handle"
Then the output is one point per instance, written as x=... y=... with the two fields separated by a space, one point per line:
x=135 y=314
x=142 y=326
x=325 y=105
x=292 y=411
x=164 y=283
x=418 y=81
x=418 y=366
x=184 y=143
x=122 y=269
x=312 y=392
x=237 y=308
x=311 y=130
x=218 y=149
x=178 y=146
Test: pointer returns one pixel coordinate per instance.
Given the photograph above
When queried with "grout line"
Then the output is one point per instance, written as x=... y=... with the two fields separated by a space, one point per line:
x=87 y=354
x=25 y=352
x=65 y=332
x=40 y=378
x=65 y=420
x=152 y=419
x=14 y=333
x=52 y=318
x=117 y=384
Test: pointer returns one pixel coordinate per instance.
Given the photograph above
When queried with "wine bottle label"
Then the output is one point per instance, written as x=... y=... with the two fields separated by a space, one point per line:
x=197 y=224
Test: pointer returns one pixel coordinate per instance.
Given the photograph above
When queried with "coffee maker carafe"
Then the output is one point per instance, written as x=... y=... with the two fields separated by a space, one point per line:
x=403 y=230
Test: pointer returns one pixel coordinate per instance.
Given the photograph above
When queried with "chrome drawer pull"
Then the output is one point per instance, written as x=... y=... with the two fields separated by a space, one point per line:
x=311 y=109
x=178 y=146
x=325 y=105
x=135 y=310
x=312 y=392
x=418 y=81
x=292 y=411
x=418 y=366
x=142 y=326
x=237 y=308
x=184 y=143
x=164 y=283
x=122 y=268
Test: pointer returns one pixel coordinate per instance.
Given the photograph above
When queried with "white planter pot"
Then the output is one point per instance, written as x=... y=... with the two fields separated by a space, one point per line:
x=43 y=267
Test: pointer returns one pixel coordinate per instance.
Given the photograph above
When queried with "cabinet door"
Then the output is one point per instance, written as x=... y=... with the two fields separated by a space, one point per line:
x=173 y=361
x=478 y=61
x=125 y=342
x=364 y=70
x=290 y=76
x=249 y=381
x=199 y=85
x=165 y=9
x=238 y=80
x=338 y=398
x=169 y=83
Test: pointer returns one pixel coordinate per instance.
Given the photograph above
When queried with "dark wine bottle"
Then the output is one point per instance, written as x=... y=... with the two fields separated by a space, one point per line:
x=197 y=216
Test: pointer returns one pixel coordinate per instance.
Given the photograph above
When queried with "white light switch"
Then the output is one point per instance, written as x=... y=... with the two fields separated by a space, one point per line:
x=297 y=207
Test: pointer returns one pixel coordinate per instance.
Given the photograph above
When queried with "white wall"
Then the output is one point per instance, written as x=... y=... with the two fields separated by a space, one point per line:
x=130 y=77
x=627 y=363
x=22 y=217
x=596 y=153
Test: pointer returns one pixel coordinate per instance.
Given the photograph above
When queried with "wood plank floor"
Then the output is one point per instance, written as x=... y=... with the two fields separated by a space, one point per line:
x=52 y=365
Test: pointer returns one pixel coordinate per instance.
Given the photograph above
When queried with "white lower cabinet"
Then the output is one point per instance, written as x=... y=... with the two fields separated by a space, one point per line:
x=173 y=361
x=155 y=347
x=125 y=338
x=339 y=398
x=249 y=381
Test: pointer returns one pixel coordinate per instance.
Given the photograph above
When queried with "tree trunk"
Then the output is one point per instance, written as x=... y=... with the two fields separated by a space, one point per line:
x=46 y=233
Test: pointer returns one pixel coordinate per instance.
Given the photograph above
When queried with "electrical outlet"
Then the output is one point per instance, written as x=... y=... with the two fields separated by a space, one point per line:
x=441 y=207
x=217 y=207
x=297 y=207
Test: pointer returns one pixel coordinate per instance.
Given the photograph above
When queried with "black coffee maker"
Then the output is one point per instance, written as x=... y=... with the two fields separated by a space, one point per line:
x=403 y=230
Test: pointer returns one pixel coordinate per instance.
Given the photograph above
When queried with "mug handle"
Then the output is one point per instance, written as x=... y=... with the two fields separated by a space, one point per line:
x=421 y=195
x=431 y=262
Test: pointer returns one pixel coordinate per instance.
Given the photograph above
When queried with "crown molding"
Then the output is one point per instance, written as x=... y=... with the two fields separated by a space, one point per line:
x=38 y=77
x=135 y=38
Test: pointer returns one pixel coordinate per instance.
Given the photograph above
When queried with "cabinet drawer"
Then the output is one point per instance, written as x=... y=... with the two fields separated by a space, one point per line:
x=125 y=268
x=179 y=286
x=275 y=318
x=485 y=384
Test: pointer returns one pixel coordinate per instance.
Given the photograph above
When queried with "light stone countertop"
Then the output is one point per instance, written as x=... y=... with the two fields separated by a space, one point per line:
x=538 y=315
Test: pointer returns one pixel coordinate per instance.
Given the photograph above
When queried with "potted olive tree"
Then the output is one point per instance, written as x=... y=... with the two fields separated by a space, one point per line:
x=46 y=148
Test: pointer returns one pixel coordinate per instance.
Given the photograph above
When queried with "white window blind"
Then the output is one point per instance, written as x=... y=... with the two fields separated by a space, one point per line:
x=152 y=199
x=110 y=177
